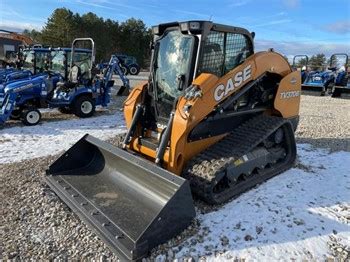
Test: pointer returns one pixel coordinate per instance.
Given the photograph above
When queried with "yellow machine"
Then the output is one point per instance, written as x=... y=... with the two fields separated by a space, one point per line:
x=214 y=118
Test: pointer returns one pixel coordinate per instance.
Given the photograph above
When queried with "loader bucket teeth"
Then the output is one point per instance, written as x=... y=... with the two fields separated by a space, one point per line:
x=131 y=204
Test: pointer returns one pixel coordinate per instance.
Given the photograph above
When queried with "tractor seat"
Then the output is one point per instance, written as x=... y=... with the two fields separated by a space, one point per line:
x=74 y=74
x=73 y=79
x=66 y=85
x=49 y=86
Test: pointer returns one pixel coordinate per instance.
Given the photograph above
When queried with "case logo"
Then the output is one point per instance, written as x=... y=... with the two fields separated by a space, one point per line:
x=293 y=81
x=234 y=82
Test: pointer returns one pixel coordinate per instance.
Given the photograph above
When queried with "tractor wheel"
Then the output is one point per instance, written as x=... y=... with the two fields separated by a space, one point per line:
x=84 y=106
x=65 y=110
x=328 y=87
x=125 y=70
x=16 y=114
x=134 y=70
x=344 y=81
x=31 y=116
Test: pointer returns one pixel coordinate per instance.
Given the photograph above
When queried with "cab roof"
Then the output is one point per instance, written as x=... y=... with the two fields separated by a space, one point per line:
x=49 y=49
x=68 y=49
x=201 y=27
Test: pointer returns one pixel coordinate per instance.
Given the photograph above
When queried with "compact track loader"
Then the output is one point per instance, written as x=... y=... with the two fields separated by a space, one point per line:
x=215 y=118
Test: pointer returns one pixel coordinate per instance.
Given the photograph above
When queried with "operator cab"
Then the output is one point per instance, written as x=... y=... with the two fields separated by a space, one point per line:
x=300 y=63
x=340 y=63
x=337 y=61
x=75 y=64
x=36 y=59
x=61 y=59
x=182 y=51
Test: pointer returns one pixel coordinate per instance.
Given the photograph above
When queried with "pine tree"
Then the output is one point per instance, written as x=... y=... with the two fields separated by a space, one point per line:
x=317 y=62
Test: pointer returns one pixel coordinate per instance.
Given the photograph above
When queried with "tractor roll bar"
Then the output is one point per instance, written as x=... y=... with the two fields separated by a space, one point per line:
x=75 y=41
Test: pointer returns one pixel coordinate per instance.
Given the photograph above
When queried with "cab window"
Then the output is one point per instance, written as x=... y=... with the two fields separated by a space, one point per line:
x=238 y=49
x=213 y=54
x=224 y=51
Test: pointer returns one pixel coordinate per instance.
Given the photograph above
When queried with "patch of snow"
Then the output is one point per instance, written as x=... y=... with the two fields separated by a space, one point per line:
x=49 y=138
x=48 y=110
x=289 y=217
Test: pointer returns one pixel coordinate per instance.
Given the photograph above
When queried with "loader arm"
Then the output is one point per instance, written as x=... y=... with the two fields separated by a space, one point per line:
x=113 y=67
x=214 y=92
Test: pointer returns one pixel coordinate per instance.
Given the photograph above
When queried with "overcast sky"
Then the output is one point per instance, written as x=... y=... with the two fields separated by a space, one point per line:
x=289 y=26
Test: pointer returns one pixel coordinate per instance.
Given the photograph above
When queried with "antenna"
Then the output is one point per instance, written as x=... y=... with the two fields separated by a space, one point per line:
x=210 y=17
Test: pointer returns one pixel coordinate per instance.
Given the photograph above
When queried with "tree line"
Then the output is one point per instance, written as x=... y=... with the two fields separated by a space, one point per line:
x=131 y=37
x=320 y=62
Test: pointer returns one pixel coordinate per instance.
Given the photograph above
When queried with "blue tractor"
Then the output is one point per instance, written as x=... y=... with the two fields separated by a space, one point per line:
x=5 y=71
x=80 y=93
x=300 y=63
x=102 y=67
x=322 y=82
x=30 y=62
x=40 y=63
x=342 y=81
x=21 y=99
x=130 y=62
x=33 y=62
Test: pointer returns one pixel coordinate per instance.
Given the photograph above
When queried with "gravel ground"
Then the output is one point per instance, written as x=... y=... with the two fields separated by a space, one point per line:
x=35 y=224
x=324 y=122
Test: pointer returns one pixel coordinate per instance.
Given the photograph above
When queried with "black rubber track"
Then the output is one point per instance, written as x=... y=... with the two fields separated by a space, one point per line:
x=206 y=169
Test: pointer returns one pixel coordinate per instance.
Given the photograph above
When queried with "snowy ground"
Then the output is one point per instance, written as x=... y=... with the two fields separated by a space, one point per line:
x=49 y=138
x=292 y=216
x=296 y=215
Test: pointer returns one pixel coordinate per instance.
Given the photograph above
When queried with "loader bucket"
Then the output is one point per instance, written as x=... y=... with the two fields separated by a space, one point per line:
x=123 y=91
x=132 y=204
x=314 y=90
x=343 y=92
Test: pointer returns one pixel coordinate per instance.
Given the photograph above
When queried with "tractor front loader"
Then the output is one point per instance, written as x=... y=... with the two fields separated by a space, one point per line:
x=214 y=119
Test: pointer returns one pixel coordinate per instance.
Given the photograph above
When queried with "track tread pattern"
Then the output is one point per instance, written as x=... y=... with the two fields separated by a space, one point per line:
x=206 y=166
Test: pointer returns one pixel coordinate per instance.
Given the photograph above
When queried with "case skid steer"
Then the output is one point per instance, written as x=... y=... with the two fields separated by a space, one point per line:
x=215 y=118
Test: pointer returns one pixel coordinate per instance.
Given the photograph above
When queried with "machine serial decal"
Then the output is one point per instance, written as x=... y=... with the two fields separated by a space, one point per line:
x=236 y=81
x=290 y=94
